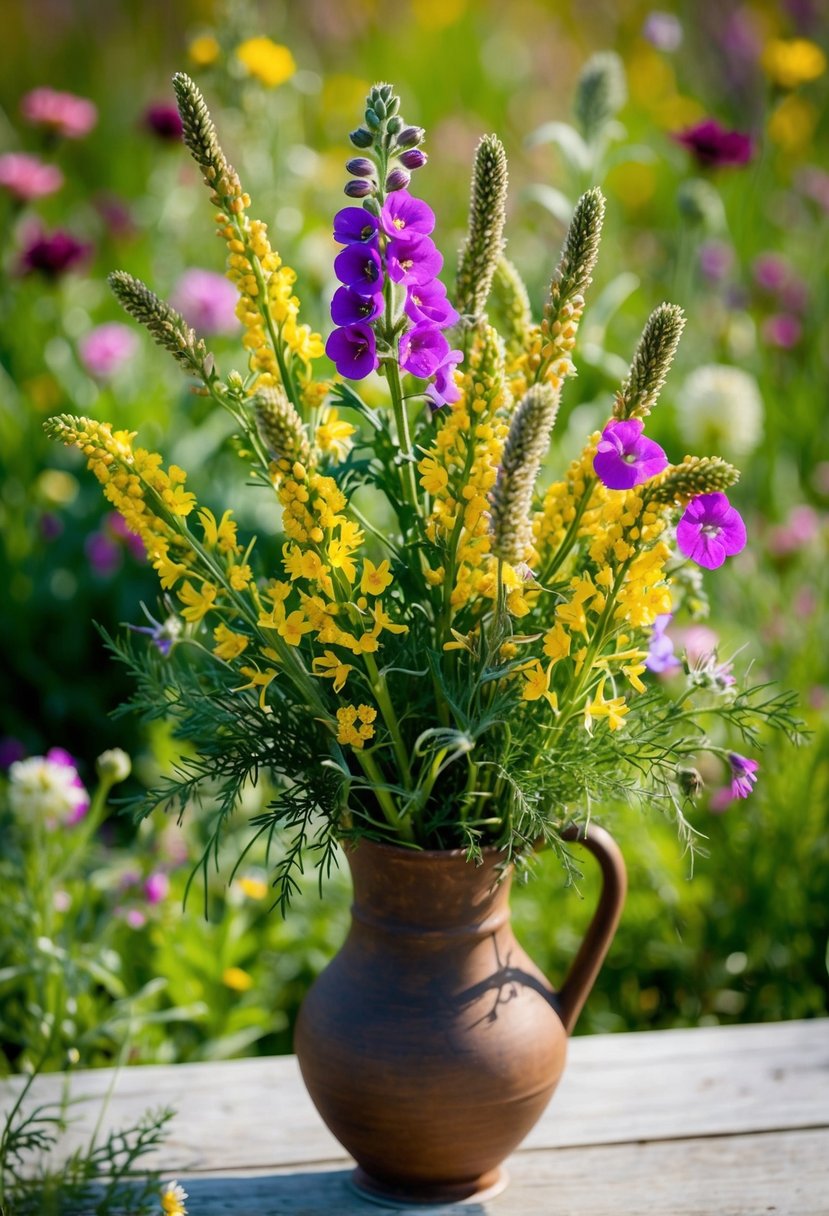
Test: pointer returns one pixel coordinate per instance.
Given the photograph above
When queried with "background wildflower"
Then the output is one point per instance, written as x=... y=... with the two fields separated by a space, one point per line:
x=66 y=114
x=53 y=254
x=714 y=147
x=48 y=788
x=163 y=120
x=105 y=350
x=266 y=60
x=720 y=409
x=27 y=177
x=207 y=301
x=710 y=530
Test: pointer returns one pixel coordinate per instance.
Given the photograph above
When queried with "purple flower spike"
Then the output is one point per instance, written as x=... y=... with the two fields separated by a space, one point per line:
x=347 y=307
x=743 y=774
x=710 y=531
x=353 y=350
x=661 y=657
x=625 y=457
x=423 y=349
x=403 y=216
x=428 y=302
x=359 y=267
x=713 y=147
x=445 y=391
x=415 y=260
x=354 y=226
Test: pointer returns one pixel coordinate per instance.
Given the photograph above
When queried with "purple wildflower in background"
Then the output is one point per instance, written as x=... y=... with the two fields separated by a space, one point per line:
x=445 y=391
x=663 y=31
x=413 y=260
x=156 y=887
x=63 y=113
x=347 y=307
x=423 y=349
x=716 y=260
x=743 y=774
x=353 y=350
x=353 y=225
x=27 y=178
x=404 y=216
x=117 y=525
x=103 y=554
x=782 y=330
x=661 y=657
x=163 y=120
x=107 y=348
x=710 y=531
x=11 y=750
x=207 y=301
x=53 y=253
x=359 y=267
x=428 y=302
x=163 y=634
x=625 y=457
x=714 y=147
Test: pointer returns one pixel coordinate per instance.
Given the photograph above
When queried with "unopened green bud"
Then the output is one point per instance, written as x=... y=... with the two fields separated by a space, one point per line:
x=372 y=119
x=279 y=425
x=694 y=476
x=689 y=781
x=167 y=327
x=113 y=766
x=525 y=448
x=651 y=363
x=361 y=138
x=485 y=239
x=600 y=93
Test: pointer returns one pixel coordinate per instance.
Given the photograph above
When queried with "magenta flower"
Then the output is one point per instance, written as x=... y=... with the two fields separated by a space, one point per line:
x=207 y=301
x=782 y=330
x=661 y=657
x=347 y=307
x=710 y=531
x=716 y=260
x=404 y=216
x=53 y=253
x=49 y=788
x=423 y=349
x=358 y=267
x=103 y=554
x=353 y=350
x=354 y=226
x=64 y=113
x=662 y=30
x=428 y=302
x=414 y=260
x=444 y=390
x=713 y=147
x=27 y=177
x=625 y=457
x=743 y=774
x=156 y=887
x=163 y=120
x=107 y=348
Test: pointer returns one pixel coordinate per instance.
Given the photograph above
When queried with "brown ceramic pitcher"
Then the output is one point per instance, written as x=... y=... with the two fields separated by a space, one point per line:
x=432 y=1043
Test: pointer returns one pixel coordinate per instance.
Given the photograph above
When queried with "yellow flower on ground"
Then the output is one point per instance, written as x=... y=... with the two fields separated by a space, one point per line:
x=254 y=888
x=237 y=979
x=229 y=644
x=204 y=50
x=614 y=710
x=375 y=579
x=330 y=666
x=538 y=684
x=268 y=61
x=792 y=61
x=172 y=1200
x=197 y=603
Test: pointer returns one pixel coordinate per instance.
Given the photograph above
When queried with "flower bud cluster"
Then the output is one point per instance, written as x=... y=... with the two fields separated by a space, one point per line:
x=395 y=145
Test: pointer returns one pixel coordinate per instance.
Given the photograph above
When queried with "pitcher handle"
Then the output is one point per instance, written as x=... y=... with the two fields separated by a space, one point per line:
x=582 y=974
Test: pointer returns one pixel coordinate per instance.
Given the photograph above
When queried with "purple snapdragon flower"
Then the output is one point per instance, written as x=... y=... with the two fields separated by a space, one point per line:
x=423 y=349
x=428 y=302
x=413 y=260
x=714 y=147
x=661 y=657
x=347 y=307
x=404 y=216
x=743 y=774
x=710 y=530
x=359 y=267
x=353 y=350
x=625 y=457
x=353 y=225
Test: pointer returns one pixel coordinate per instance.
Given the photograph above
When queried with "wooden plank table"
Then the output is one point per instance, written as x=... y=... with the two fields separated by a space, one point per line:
x=732 y=1121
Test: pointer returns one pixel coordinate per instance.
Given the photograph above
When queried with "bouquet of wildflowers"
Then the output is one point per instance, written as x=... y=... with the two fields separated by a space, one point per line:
x=431 y=649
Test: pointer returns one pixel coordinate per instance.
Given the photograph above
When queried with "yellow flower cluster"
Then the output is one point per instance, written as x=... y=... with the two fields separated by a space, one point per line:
x=137 y=486
x=347 y=729
x=268 y=61
x=459 y=471
x=578 y=497
x=790 y=62
x=548 y=353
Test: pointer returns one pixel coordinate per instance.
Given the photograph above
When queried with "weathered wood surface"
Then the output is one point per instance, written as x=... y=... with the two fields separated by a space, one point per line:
x=726 y=1120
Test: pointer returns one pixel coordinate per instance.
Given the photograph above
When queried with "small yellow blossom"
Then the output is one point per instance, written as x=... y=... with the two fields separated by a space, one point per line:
x=293 y=627
x=538 y=684
x=329 y=666
x=258 y=679
x=254 y=888
x=267 y=60
x=221 y=535
x=614 y=710
x=204 y=50
x=240 y=577
x=333 y=435
x=229 y=645
x=339 y=555
x=375 y=579
x=790 y=62
x=172 y=1200
x=197 y=603
x=237 y=979
x=557 y=642
x=348 y=730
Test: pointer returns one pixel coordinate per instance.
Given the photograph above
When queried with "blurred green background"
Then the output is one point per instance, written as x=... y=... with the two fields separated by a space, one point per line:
x=742 y=248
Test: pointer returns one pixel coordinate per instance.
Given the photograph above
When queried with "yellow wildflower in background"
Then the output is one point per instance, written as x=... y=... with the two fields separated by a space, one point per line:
x=172 y=1200
x=237 y=979
x=270 y=62
x=792 y=124
x=204 y=50
x=254 y=888
x=792 y=61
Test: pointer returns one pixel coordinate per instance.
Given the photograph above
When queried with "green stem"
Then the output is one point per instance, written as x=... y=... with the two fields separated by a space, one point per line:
x=404 y=442
x=381 y=693
x=393 y=817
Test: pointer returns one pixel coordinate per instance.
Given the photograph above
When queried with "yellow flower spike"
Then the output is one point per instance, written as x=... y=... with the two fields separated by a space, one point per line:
x=229 y=645
x=266 y=60
x=329 y=666
x=375 y=579
x=197 y=603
